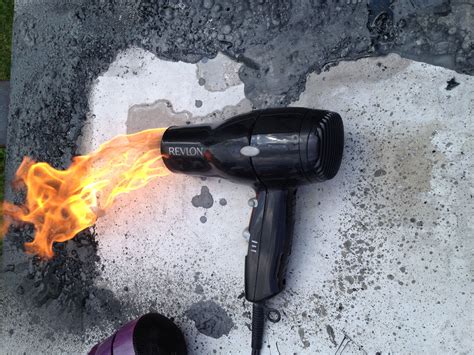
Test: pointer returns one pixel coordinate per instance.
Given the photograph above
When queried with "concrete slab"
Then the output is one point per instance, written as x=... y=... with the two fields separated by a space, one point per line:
x=351 y=291
x=381 y=258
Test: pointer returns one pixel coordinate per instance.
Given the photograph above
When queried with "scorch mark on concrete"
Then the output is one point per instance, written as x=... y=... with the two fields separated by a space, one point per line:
x=210 y=319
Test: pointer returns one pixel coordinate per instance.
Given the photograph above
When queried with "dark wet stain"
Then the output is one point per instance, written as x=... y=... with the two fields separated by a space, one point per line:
x=305 y=342
x=321 y=310
x=204 y=199
x=210 y=319
x=380 y=172
x=452 y=83
x=203 y=219
x=196 y=276
x=331 y=334
x=199 y=289
x=223 y=202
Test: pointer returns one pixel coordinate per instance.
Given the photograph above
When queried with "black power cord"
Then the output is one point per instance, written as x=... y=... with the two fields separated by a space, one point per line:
x=258 y=322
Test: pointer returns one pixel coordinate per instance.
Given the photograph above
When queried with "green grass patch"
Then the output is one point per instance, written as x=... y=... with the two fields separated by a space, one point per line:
x=6 y=23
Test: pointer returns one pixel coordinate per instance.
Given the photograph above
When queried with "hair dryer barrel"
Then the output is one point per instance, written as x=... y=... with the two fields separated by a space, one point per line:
x=210 y=150
x=274 y=147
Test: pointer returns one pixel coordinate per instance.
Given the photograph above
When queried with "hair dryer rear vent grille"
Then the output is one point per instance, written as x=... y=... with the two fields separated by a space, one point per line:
x=330 y=134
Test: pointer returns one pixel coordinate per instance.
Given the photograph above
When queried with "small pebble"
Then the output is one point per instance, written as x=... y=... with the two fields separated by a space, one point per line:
x=226 y=29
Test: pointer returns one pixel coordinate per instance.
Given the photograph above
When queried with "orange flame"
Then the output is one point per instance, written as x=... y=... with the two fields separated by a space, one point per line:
x=61 y=203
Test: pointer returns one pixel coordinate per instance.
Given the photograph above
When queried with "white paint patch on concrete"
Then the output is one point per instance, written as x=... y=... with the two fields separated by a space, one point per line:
x=139 y=77
x=382 y=253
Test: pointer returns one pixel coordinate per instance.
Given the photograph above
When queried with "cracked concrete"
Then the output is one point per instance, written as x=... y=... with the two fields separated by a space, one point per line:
x=381 y=258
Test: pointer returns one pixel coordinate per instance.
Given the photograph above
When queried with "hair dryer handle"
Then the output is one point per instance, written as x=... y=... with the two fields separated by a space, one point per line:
x=271 y=232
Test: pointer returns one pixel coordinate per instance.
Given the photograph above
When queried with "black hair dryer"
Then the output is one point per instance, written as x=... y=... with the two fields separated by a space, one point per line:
x=274 y=150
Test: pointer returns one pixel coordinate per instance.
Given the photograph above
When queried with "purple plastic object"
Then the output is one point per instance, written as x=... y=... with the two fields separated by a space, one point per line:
x=149 y=334
x=120 y=343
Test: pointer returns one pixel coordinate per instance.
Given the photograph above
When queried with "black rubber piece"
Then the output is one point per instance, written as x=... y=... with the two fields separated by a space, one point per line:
x=258 y=322
x=155 y=334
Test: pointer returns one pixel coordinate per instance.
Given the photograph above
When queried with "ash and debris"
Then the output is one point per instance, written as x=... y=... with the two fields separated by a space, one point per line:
x=62 y=285
x=210 y=319
x=60 y=48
